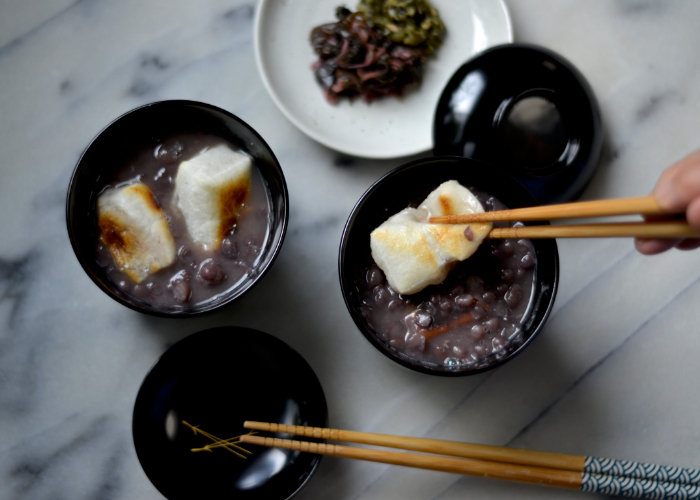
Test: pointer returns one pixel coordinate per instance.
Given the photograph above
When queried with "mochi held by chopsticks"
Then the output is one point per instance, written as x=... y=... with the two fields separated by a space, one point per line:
x=135 y=230
x=414 y=253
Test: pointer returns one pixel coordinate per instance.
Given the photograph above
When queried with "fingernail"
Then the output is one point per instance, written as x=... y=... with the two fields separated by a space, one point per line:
x=665 y=196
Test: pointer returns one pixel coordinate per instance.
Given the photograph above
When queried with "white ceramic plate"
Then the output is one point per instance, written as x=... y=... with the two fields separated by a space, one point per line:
x=385 y=128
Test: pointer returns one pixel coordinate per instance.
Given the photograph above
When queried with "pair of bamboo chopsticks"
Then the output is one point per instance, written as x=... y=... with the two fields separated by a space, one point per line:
x=590 y=474
x=645 y=205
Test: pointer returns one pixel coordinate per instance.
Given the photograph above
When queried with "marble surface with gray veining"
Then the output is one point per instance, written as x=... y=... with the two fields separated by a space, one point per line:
x=614 y=373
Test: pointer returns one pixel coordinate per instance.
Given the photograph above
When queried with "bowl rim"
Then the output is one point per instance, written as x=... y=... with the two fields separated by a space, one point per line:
x=343 y=278
x=210 y=307
x=230 y=330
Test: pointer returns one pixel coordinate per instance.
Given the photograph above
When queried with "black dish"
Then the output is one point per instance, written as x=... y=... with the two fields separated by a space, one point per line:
x=217 y=379
x=104 y=157
x=528 y=111
x=412 y=182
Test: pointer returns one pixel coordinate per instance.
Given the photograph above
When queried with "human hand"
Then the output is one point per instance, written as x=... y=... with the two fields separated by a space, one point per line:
x=677 y=190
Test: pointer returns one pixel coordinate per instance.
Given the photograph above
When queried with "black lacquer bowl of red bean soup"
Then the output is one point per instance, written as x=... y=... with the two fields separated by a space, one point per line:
x=490 y=306
x=147 y=146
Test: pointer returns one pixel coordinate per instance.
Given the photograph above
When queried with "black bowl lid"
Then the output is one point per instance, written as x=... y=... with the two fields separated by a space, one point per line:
x=217 y=379
x=528 y=111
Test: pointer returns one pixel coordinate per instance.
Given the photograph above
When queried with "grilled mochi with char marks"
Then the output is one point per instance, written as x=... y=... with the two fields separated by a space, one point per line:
x=414 y=253
x=210 y=191
x=135 y=230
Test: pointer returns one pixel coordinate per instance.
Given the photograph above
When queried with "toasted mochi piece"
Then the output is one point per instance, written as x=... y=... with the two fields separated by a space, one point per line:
x=414 y=253
x=451 y=198
x=401 y=248
x=210 y=190
x=135 y=230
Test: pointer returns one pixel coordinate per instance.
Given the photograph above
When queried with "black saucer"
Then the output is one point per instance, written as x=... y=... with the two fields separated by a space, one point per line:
x=528 y=111
x=217 y=379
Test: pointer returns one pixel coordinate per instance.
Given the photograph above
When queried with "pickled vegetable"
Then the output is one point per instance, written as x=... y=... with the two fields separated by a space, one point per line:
x=357 y=60
x=415 y=23
x=378 y=51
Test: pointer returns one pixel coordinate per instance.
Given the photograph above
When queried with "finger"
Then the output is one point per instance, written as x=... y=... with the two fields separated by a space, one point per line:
x=692 y=214
x=679 y=184
x=652 y=246
x=689 y=244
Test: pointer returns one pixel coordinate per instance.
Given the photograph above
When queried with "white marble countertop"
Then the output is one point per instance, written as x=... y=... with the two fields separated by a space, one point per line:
x=613 y=374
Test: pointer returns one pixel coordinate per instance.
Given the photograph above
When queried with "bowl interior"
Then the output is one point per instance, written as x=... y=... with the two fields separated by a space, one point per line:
x=413 y=182
x=116 y=145
x=217 y=379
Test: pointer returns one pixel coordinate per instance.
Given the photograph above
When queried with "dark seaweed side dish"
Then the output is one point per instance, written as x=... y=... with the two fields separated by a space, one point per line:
x=375 y=52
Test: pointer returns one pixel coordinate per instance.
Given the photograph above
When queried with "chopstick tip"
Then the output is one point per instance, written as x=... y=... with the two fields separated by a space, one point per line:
x=247 y=438
x=258 y=426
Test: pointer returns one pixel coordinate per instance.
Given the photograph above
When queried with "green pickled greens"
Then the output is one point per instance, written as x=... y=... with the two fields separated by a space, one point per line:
x=411 y=22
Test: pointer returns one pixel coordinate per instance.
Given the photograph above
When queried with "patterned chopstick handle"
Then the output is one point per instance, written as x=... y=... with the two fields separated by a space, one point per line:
x=638 y=488
x=640 y=470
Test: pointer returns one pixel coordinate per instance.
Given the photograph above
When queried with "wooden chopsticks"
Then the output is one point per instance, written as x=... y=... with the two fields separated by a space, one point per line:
x=590 y=474
x=645 y=205
x=671 y=229
x=452 y=448
x=466 y=466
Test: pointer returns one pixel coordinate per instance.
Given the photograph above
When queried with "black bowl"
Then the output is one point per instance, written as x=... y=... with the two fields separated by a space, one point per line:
x=412 y=183
x=115 y=145
x=527 y=110
x=217 y=379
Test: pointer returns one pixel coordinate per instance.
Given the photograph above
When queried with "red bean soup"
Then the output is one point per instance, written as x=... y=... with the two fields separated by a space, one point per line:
x=472 y=319
x=198 y=276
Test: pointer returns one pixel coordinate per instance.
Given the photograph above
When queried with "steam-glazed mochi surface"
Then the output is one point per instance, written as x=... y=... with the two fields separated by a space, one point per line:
x=210 y=190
